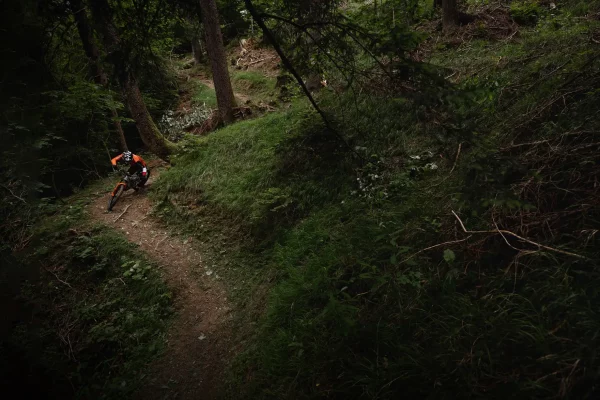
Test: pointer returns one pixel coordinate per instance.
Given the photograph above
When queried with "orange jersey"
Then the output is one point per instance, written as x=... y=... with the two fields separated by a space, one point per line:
x=136 y=159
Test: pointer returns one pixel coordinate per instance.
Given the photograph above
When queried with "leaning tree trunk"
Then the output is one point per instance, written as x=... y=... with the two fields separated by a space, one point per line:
x=87 y=40
x=218 y=60
x=149 y=133
x=450 y=14
x=143 y=121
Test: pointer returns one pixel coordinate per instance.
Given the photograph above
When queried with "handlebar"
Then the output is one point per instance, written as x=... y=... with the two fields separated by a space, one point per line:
x=120 y=169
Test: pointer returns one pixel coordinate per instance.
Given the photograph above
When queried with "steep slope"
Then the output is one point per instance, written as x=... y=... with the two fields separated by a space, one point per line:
x=198 y=342
x=459 y=260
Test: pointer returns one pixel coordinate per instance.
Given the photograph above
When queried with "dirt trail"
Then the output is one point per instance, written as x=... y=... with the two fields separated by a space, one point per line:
x=199 y=341
x=241 y=98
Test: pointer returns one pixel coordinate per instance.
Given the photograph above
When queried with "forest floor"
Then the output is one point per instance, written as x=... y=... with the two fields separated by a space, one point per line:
x=254 y=70
x=240 y=97
x=199 y=340
x=200 y=343
x=285 y=282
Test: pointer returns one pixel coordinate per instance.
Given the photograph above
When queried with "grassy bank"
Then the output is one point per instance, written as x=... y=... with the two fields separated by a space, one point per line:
x=255 y=85
x=93 y=314
x=375 y=289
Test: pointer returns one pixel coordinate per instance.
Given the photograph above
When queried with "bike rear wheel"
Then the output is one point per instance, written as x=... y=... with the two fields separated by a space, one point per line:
x=114 y=198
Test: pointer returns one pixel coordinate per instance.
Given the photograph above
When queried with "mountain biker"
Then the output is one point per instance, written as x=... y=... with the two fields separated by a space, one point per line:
x=137 y=165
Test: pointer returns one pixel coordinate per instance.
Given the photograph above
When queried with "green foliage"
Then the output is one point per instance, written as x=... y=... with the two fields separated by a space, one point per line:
x=83 y=99
x=378 y=291
x=253 y=84
x=55 y=125
x=449 y=256
x=205 y=95
x=341 y=40
x=205 y=167
x=239 y=171
x=234 y=24
x=159 y=84
x=146 y=30
x=100 y=308
x=526 y=12
x=375 y=289
x=582 y=8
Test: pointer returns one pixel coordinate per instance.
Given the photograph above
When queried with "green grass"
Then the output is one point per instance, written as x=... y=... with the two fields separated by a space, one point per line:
x=254 y=187
x=248 y=83
x=204 y=95
x=357 y=307
x=99 y=317
x=354 y=279
x=254 y=84
x=206 y=172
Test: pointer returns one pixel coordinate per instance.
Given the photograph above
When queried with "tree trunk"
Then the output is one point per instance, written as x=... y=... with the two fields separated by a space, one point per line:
x=437 y=3
x=119 y=130
x=195 y=34
x=87 y=40
x=450 y=14
x=197 y=50
x=152 y=137
x=148 y=131
x=288 y=65
x=218 y=60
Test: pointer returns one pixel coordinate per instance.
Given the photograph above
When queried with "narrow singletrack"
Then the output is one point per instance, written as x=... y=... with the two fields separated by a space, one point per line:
x=199 y=340
x=242 y=98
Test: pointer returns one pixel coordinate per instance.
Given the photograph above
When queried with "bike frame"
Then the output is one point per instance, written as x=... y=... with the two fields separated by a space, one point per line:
x=125 y=181
x=117 y=188
x=129 y=181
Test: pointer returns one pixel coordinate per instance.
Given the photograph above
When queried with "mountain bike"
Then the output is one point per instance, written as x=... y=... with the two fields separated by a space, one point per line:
x=129 y=181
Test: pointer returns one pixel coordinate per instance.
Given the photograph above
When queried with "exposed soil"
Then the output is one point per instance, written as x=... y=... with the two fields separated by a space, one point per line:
x=492 y=22
x=251 y=56
x=241 y=98
x=199 y=341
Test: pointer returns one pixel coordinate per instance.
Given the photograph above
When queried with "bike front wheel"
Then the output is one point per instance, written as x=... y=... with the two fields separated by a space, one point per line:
x=114 y=196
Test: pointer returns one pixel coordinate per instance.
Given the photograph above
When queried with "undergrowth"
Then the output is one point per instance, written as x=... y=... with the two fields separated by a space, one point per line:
x=94 y=317
x=204 y=95
x=259 y=187
x=376 y=287
x=254 y=84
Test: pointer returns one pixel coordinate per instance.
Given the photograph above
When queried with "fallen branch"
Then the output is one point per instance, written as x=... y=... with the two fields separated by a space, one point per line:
x=508 y=39
x=504 y=237
x=549 y=104
x=120 y=215
x=576 y=133
x=433 y=247
x=524 y=144
x=585 y=146
x=456 y=159
x=163 y=239
x=451 y=75
x=452 y=170
x=257 y=17
x=503 y=231
x=140 y=220
x=14 y=195
x=57 y=278
x=262 y=59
